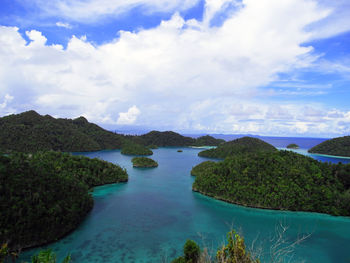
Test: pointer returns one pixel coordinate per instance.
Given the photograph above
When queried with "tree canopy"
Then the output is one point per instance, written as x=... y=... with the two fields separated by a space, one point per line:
x=45 y=195
x=241 y=145
x=277 y=180
x=338 y=146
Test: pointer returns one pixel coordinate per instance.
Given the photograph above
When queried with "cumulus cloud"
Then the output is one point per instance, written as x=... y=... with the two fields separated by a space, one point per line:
x=187 y=74
x=129 y=117
x=7 y=98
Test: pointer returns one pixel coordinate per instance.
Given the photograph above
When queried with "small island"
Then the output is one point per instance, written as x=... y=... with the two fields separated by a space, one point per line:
x=143 y=162
x=338 y=147
x=208 y=140
x=241 y=145
x=281 y=180
x=179 y=151
x=292 y=146
x=135 y=149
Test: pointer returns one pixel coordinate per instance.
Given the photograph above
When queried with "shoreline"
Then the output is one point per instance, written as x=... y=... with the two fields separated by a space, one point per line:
x=261 y=207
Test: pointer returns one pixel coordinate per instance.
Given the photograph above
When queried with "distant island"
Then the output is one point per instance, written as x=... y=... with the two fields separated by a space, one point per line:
x=292 y=146
x=135 y=149
x=208 y=140
x=46 y=195
x=31 y=132
x=241 y=145
x=143 y=162
x=179 y=151
x=338 y=147
x=281 y=180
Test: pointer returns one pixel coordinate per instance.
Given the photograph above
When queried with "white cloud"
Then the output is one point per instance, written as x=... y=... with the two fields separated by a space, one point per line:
x=129 y=117
x=65 y=25
x=187 y=74
x=7 y=98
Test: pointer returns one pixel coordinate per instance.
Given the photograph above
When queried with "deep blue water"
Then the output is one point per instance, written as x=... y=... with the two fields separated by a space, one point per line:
x=149 y=218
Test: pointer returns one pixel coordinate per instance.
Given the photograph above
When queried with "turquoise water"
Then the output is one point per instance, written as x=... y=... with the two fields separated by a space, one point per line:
x=149 y=218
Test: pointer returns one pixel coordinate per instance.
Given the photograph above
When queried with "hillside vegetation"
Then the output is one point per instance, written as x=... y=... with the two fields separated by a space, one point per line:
x=238 y=146
x=338 y=146
x=278 y=180
x=167 y=138
x=135 y=149
x=143 y=162
x=44 y=196
x=32 y=132
x=208 y=140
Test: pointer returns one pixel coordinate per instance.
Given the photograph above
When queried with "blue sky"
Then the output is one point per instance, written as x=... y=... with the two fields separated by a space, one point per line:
x=267 y=67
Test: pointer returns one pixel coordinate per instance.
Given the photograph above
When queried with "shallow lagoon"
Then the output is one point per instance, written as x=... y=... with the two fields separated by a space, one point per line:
x=149 y=218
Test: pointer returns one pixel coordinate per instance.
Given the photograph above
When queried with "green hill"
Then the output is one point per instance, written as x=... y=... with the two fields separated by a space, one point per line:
x=208 y=141
x=143 y=162
x=277 y=180
x=202 y=167
x=338 y=146
x=135 y=149
x=167 y=138
x=241 y=145
x=44 y=196
x=31 y=132
x=293 y=146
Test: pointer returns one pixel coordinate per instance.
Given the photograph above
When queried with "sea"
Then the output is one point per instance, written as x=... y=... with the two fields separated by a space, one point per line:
x=149 y=218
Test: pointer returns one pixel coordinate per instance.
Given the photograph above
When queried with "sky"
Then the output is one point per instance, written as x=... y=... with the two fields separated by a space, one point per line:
x=264 y=67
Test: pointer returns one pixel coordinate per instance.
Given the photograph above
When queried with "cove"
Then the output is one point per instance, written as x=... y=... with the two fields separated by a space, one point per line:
x=149 y=218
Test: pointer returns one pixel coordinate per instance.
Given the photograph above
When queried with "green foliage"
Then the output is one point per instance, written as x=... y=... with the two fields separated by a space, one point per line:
x=167 y=138
x=31 y=132
x=191 y=251
x=4 y=252
x=47 y=256
x=293 y=146
x=338 y=146
x=45 y=195
x=135 y=149
x=208 y=141
x=202 y=167
x=152 y=146
x=241 y=145
x=179 y=260
x=143 y=162
x=277 y=180
x=235 y=251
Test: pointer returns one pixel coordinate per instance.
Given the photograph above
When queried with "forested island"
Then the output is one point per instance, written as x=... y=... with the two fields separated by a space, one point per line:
x=135 y=149
x=143 y=162
x=32 y=132
x=208 y=140
x=238 y=146
x=338 y=147
x=44 y=196
x=292 y=146
x=281 y=180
